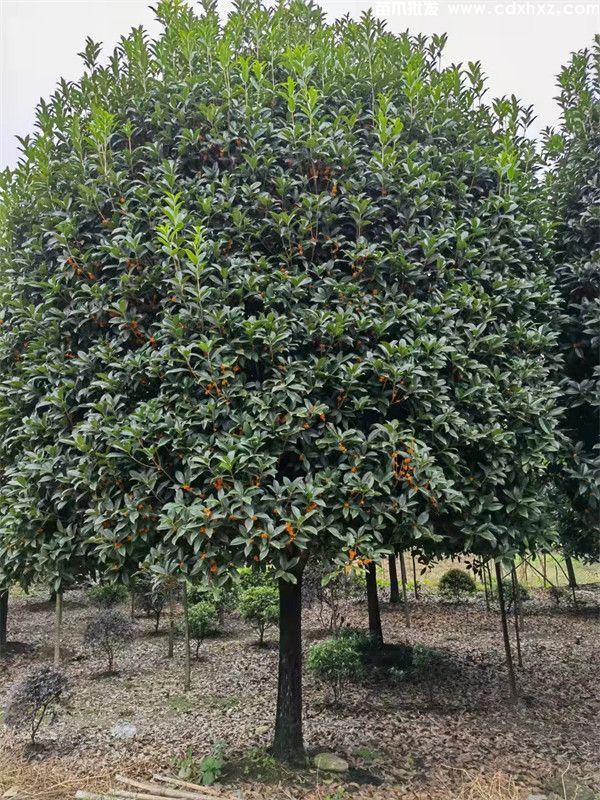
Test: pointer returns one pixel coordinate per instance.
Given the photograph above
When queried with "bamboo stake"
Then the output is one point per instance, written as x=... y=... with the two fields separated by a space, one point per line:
x=544 y=571
x=415 y=584
x=485 y=589
x=509 y=661
x=178 y=782
x=83 y=795
x=187 y=785
x=404 y=592
x=490 y=581
x=171 y=623
x=161 y=791
x=57 y=627
x=516 y=601
x=187 y=678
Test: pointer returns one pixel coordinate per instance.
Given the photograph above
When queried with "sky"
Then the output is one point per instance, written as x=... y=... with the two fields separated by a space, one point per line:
x=521 y=44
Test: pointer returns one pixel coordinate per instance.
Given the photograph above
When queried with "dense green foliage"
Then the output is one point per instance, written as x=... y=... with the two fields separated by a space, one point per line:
x=259 y=607
x=456 y=583
x=106 y=595
x=574 y=183
x=203 y=621
x=271 y=287
x=336 y=661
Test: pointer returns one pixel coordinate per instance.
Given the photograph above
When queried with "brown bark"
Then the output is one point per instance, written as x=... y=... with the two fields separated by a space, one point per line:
x=394 y=587
x=3 y=616
x=404 y=591
x=375 y=628
x=288 y=742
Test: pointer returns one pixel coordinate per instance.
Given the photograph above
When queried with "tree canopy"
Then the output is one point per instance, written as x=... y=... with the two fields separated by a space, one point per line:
x=272 y=289
x=574 y=152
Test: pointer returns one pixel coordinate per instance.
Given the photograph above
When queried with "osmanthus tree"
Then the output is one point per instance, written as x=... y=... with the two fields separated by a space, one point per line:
x=289 y=281
x=574 y=184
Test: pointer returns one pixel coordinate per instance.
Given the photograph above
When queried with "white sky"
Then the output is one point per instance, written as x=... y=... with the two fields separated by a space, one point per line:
x=521 y=44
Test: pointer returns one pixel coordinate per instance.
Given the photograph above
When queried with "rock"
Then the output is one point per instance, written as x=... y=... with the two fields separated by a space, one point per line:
x=124 y=730
x=263 y=730
x=537 y=797
x=329 y=762
x=12 y=792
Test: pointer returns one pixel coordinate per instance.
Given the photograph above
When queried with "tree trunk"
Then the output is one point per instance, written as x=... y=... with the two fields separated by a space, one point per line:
x=415 y=581
x=490 y=581
x=544 y=571
x=288 y=742
x=171 y=624
x=187 y=668
x=485 y=589
x=375 y=628
x=57 y=627
x=3 y=617
x=509 y=661
x=517 y=602
x=394 y=588
x=404 y=592
x=571 y=576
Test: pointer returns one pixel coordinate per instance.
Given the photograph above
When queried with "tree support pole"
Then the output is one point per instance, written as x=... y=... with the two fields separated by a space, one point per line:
x=415 y=582
x=3 y=617
x=57 y=627
x=509 y=661
x=187 y=669
x=517 y=602
x=394 y=588
x=404 y=592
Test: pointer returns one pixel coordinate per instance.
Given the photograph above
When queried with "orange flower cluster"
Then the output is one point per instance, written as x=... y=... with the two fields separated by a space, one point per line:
x=291 y=532
x=404 y=469
x=218 y=483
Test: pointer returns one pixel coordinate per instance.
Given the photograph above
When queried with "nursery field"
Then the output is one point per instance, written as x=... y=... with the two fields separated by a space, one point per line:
x=448 y=733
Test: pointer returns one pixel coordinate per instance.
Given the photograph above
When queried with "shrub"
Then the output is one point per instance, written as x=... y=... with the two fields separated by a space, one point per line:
x=429 y=666
x=455 y=584
x=329 y=596
x=259 y=607
x=206 y=770
x=224 y=599
x=29 y=701
x=509 y=594
x=110 y=631
x=152 y=597
x=203 y=621
x=249 y=578
x=335 y=661
x=107 y=595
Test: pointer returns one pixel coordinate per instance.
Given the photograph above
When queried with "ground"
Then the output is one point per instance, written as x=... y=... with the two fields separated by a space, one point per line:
x=426 y=737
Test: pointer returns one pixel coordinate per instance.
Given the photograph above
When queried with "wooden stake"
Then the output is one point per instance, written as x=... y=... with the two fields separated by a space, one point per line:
x=544 y=571
x=404 y=592
x=516 y=601
x=485 y=589
x=509 y=660
x=490 y=581
x=187 y=785
x=57 y=627
x=187 y=679
x=161 y=791
x=415 y=583
x=171 y=623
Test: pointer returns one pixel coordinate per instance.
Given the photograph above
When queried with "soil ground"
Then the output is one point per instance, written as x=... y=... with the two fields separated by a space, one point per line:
x=426 y=736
